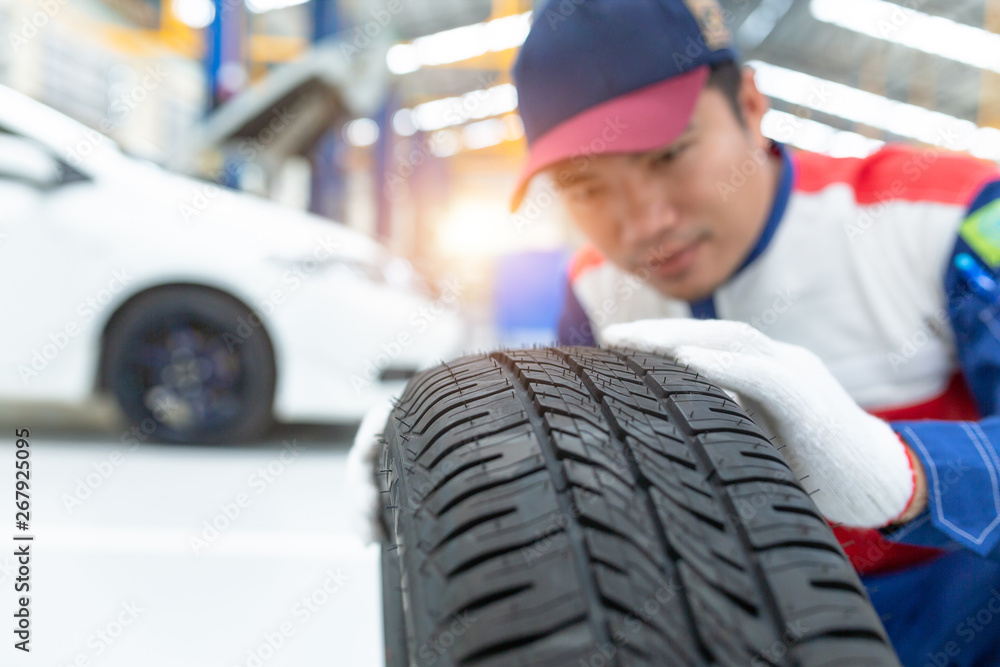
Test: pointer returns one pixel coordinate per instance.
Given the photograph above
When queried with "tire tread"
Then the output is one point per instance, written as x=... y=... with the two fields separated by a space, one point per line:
x=560 y=504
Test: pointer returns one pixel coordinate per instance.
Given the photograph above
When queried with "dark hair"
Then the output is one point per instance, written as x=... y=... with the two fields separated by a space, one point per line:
x=727 y=77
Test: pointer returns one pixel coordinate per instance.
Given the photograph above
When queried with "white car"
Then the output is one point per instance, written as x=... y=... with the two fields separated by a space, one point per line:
x=206 y=313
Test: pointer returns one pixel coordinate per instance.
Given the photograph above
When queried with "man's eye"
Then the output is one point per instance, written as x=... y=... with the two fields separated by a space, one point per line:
x=586 y=192
x=670 y=155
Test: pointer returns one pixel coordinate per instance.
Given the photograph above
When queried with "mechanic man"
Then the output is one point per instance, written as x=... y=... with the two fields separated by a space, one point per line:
x=877 y=276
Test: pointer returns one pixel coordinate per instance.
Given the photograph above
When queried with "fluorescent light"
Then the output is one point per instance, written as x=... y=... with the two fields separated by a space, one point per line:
x=261 y=6
x=445 y=143
x=859 y=106
x=403 y=123
x=515 y=127
x=361 y=132
x=761 y=22
x=816 y=137
x=508 y=32
x=987 y=144
x=402 y=59
x=196 y=14
x=917 y=30
x=451 y=46
x=845 y=143
x=484 y=133
x=451 y=111
x=492 y=132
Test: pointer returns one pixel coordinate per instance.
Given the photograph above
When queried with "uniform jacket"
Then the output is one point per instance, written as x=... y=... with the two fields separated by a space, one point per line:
x=884 y=267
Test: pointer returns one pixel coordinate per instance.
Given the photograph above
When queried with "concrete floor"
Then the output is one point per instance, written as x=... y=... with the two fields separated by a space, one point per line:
x=127 y=569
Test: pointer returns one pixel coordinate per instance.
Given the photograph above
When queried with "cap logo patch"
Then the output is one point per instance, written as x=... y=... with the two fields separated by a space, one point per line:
x=711 y=22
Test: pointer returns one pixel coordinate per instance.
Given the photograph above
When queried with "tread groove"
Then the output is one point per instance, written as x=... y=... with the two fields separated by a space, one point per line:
x=643 y=488
x=484 y=487
x=507 y=646
x=772 y=610
x=495 y=553
x=836 y=585
x=597 y=620
x=490 y=598
x=469 y=525
x=458 y=422
x=459 y=470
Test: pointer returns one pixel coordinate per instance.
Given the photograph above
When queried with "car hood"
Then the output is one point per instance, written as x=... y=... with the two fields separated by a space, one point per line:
x=210 y=210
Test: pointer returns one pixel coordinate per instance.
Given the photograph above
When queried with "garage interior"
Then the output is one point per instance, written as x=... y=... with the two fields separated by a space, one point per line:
x=400 y=122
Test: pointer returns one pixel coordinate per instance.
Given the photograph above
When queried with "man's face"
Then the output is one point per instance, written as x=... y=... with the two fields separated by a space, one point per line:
x=685 y=214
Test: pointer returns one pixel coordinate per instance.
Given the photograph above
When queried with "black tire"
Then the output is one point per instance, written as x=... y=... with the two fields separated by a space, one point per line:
x=212 y=336
x=583 y=506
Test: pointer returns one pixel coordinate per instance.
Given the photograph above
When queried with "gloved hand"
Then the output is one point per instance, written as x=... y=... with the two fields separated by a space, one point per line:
x=859 y=469
x=363 y=498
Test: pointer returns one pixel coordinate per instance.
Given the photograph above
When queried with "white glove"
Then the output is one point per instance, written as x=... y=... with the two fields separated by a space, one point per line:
x=363 y=499
x=857 y=466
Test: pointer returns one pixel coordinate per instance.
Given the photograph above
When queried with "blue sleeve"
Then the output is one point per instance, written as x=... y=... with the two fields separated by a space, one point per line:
x=962 y=459
x=574 y=325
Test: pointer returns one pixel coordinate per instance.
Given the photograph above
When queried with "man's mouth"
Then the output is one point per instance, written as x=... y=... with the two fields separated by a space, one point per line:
x=670 y=262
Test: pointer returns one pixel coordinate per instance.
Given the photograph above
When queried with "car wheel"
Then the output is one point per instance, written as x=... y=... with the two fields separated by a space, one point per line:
x=586 y=507
x=186 y=366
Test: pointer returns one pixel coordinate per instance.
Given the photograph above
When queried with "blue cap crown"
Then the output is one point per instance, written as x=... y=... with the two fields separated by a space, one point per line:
x=580 y=53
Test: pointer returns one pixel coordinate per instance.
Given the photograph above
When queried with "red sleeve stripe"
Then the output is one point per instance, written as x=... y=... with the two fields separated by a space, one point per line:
x=586 y=258
x=898 y=172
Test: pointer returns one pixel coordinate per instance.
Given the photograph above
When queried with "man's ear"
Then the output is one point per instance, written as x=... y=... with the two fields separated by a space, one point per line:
x=753 y=105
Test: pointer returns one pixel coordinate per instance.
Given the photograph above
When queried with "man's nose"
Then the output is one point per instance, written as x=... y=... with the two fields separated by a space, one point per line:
x=648 y=218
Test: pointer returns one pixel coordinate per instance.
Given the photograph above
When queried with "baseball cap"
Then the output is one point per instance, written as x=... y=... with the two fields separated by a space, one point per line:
x=613 y=76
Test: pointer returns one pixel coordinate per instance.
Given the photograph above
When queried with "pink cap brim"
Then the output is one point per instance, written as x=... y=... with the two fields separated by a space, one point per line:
x=645 y=119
